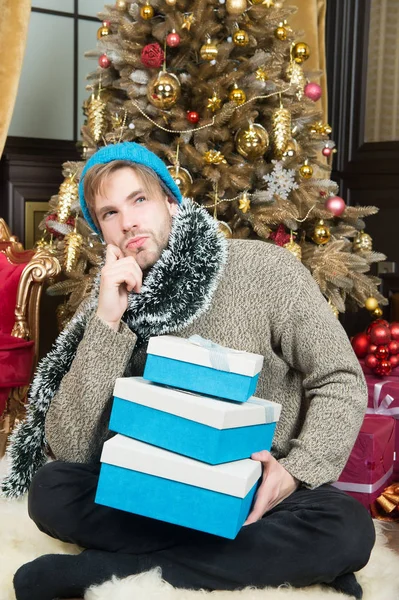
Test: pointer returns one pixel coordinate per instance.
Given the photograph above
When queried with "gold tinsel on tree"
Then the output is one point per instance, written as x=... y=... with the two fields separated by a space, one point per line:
x=232 y=111
x=96 y=115
x=67 y=196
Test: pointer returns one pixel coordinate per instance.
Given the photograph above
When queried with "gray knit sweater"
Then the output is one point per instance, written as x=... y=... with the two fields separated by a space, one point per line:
x=265 y=302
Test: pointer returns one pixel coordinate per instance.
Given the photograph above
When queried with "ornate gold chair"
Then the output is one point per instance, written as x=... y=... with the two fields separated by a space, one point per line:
x=23 y=274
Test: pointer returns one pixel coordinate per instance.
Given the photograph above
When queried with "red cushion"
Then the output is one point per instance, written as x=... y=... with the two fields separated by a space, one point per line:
x=9 y=278
x=16 y=359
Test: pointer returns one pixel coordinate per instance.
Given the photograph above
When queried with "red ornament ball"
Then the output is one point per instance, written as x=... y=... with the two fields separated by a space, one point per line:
x=152 y=56
x=383 y=368
x=326 y=151
x=173 y=39
x=313 y=91
x=192 y=116
x=360 y=344
x=371 y=361
x=375 y=323
x=104 y=61
x=380 y=335
x=393 y=347
x=382 y=352
x=372 y=348
x=394 y=328
x=394 y=361
x=335 y=205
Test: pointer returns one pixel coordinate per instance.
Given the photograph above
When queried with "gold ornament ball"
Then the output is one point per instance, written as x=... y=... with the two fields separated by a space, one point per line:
x=103 y=32
x=321 y=233
x=377 y=313
x=306 y=171
x=281 y=33
x=301 y=52
x=171 y=2
x=371 y=303
x=182 y=178
x=209 y=51
x=252 y=142
x=146 y=12
x=238 y=96
x=225 y=229
x=236 y=7
x=240 y=38
x=363 y=242
x=120 y=5
x=257 y=1
x=164 y=90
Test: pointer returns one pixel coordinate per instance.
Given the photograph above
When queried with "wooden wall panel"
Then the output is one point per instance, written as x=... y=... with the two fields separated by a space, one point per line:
x=368 y=173
x=30 y=171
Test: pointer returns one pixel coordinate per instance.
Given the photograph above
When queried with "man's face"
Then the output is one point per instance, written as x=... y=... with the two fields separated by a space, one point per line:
x=132 y=218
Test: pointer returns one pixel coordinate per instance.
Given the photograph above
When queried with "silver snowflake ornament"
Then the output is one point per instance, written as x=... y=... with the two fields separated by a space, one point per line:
x=281 y=181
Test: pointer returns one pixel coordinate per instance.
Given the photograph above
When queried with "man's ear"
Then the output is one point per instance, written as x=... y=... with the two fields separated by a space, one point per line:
x=172 y=205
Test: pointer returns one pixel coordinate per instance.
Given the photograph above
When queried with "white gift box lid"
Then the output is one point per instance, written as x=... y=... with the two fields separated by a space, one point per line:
x=182 y=349
x=219 y=414
x=234 y=478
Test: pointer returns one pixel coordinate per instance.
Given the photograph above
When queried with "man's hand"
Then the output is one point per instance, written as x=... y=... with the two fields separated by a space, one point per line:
x=119 y=275
x=277 y=484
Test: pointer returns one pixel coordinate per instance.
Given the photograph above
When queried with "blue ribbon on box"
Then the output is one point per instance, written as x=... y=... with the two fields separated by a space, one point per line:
x=218 y=354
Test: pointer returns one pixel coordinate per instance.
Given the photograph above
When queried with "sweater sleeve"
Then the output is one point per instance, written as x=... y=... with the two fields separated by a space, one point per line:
x=77 y=420
x=314 y=343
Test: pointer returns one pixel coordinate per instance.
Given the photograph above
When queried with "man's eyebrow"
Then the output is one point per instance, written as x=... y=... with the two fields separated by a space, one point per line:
x=134 y=193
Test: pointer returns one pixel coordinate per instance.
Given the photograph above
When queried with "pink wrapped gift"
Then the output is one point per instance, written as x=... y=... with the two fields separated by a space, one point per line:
x=370 y=465
x=384 y=400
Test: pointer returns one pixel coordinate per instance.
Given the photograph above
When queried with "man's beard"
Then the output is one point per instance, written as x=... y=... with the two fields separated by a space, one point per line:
x=147 y=257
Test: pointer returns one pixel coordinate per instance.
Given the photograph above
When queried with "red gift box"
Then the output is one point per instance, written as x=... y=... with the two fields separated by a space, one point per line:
x=370 y=464
x=384 y=400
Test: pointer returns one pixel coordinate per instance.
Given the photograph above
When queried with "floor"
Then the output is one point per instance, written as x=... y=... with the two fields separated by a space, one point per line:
x=392 y=533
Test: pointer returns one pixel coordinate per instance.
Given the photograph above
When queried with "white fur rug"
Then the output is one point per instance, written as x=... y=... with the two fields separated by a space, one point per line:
x=21 y=542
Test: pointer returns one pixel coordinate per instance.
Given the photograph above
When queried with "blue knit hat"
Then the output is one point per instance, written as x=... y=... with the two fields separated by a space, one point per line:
x=131 y=152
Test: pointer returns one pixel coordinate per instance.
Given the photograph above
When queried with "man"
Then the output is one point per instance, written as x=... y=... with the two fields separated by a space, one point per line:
x=168 y=270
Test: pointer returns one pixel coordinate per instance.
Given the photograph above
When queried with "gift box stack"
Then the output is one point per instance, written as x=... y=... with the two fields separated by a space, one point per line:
x=374 y=462
x=185 y=432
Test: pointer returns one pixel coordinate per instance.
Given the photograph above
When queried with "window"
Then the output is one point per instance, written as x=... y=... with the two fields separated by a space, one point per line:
x=52 y=85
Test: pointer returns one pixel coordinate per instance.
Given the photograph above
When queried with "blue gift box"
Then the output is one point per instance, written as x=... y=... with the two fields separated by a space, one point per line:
x=198 y=365
x=204 y=428
x=149 y=481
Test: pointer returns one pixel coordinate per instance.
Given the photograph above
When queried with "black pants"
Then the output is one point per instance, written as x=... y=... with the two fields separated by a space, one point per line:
x=311 y=537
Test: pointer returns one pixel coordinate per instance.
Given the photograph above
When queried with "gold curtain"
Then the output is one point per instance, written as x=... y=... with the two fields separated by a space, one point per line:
x=382 y=106
x=310 y=19
x=14 y=23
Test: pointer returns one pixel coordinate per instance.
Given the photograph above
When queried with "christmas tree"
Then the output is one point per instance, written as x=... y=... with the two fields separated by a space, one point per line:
x=219 y=90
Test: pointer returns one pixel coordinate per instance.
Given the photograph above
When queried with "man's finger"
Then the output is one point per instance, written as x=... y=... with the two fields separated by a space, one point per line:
x=254 y=516
x=112 y=254
x=262 y=456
